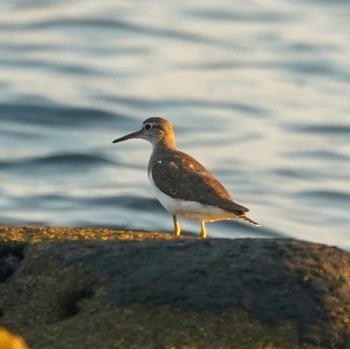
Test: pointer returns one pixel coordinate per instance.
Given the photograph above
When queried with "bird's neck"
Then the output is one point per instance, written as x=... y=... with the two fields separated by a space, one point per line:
x=164 y=144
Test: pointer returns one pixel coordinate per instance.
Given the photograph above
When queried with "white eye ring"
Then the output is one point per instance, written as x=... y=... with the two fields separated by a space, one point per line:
x=148 y=127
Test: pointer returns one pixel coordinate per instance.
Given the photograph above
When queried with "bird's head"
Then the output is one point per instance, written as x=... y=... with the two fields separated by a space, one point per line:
x=157 y=131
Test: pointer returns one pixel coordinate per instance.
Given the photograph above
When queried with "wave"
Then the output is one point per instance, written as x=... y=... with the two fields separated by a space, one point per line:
x=57 y=115
x=63 y=159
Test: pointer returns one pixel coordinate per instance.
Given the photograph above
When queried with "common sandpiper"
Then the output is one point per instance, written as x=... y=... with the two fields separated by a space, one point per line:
x=182 y=185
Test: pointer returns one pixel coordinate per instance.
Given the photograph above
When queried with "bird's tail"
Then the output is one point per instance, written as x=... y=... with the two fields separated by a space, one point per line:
x=247 y=219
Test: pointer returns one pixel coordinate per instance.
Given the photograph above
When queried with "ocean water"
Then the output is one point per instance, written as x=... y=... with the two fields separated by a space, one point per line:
x=257 y=92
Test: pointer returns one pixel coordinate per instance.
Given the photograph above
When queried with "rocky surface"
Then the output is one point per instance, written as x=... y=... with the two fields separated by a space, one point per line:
x=90 y=288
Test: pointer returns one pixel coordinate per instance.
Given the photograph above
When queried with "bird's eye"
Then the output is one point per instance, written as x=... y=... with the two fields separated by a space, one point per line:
x=147 y=127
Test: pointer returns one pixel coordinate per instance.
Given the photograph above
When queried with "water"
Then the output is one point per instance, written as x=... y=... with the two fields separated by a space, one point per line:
x=259 y=93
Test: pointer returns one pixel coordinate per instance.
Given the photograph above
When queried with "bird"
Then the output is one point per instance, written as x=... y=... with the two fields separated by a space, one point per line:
x=183 y=186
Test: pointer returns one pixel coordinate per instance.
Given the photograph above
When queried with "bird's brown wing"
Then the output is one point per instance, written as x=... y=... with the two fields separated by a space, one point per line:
x=180 y=176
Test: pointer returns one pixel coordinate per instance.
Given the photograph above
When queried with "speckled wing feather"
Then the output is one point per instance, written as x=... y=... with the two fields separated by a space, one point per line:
x=180 y=176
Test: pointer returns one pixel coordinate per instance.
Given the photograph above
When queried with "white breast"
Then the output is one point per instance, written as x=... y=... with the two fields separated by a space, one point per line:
x=190 y=209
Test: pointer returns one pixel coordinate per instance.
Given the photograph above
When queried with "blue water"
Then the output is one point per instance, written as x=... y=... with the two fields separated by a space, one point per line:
x=259 y=93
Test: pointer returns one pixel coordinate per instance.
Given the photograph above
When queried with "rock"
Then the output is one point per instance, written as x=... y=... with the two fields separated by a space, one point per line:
x=66 y=288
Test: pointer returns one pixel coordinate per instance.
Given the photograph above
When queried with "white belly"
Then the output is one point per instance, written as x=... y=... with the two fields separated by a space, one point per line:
x=190 y=209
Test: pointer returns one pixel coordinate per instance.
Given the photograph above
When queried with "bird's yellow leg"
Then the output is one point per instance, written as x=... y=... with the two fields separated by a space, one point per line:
x=177 y=228
x=203 y=231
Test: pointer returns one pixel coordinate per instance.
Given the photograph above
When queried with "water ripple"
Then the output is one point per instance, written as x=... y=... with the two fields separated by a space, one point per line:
x=55 y=115
x=337 y=197
x=243 y=16
x=335 y=130
x=172 y=103
x=66 y=23
x=70 y=161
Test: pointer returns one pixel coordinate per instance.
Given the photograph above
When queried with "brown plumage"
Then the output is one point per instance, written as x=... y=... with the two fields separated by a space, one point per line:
x=180 y=176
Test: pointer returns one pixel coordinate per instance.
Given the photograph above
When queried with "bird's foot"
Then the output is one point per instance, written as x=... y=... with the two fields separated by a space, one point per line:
x=177 y=229
x=203 y=233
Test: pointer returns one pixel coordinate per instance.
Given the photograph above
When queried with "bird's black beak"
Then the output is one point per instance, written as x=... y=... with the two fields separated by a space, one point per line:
x=136 y=134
